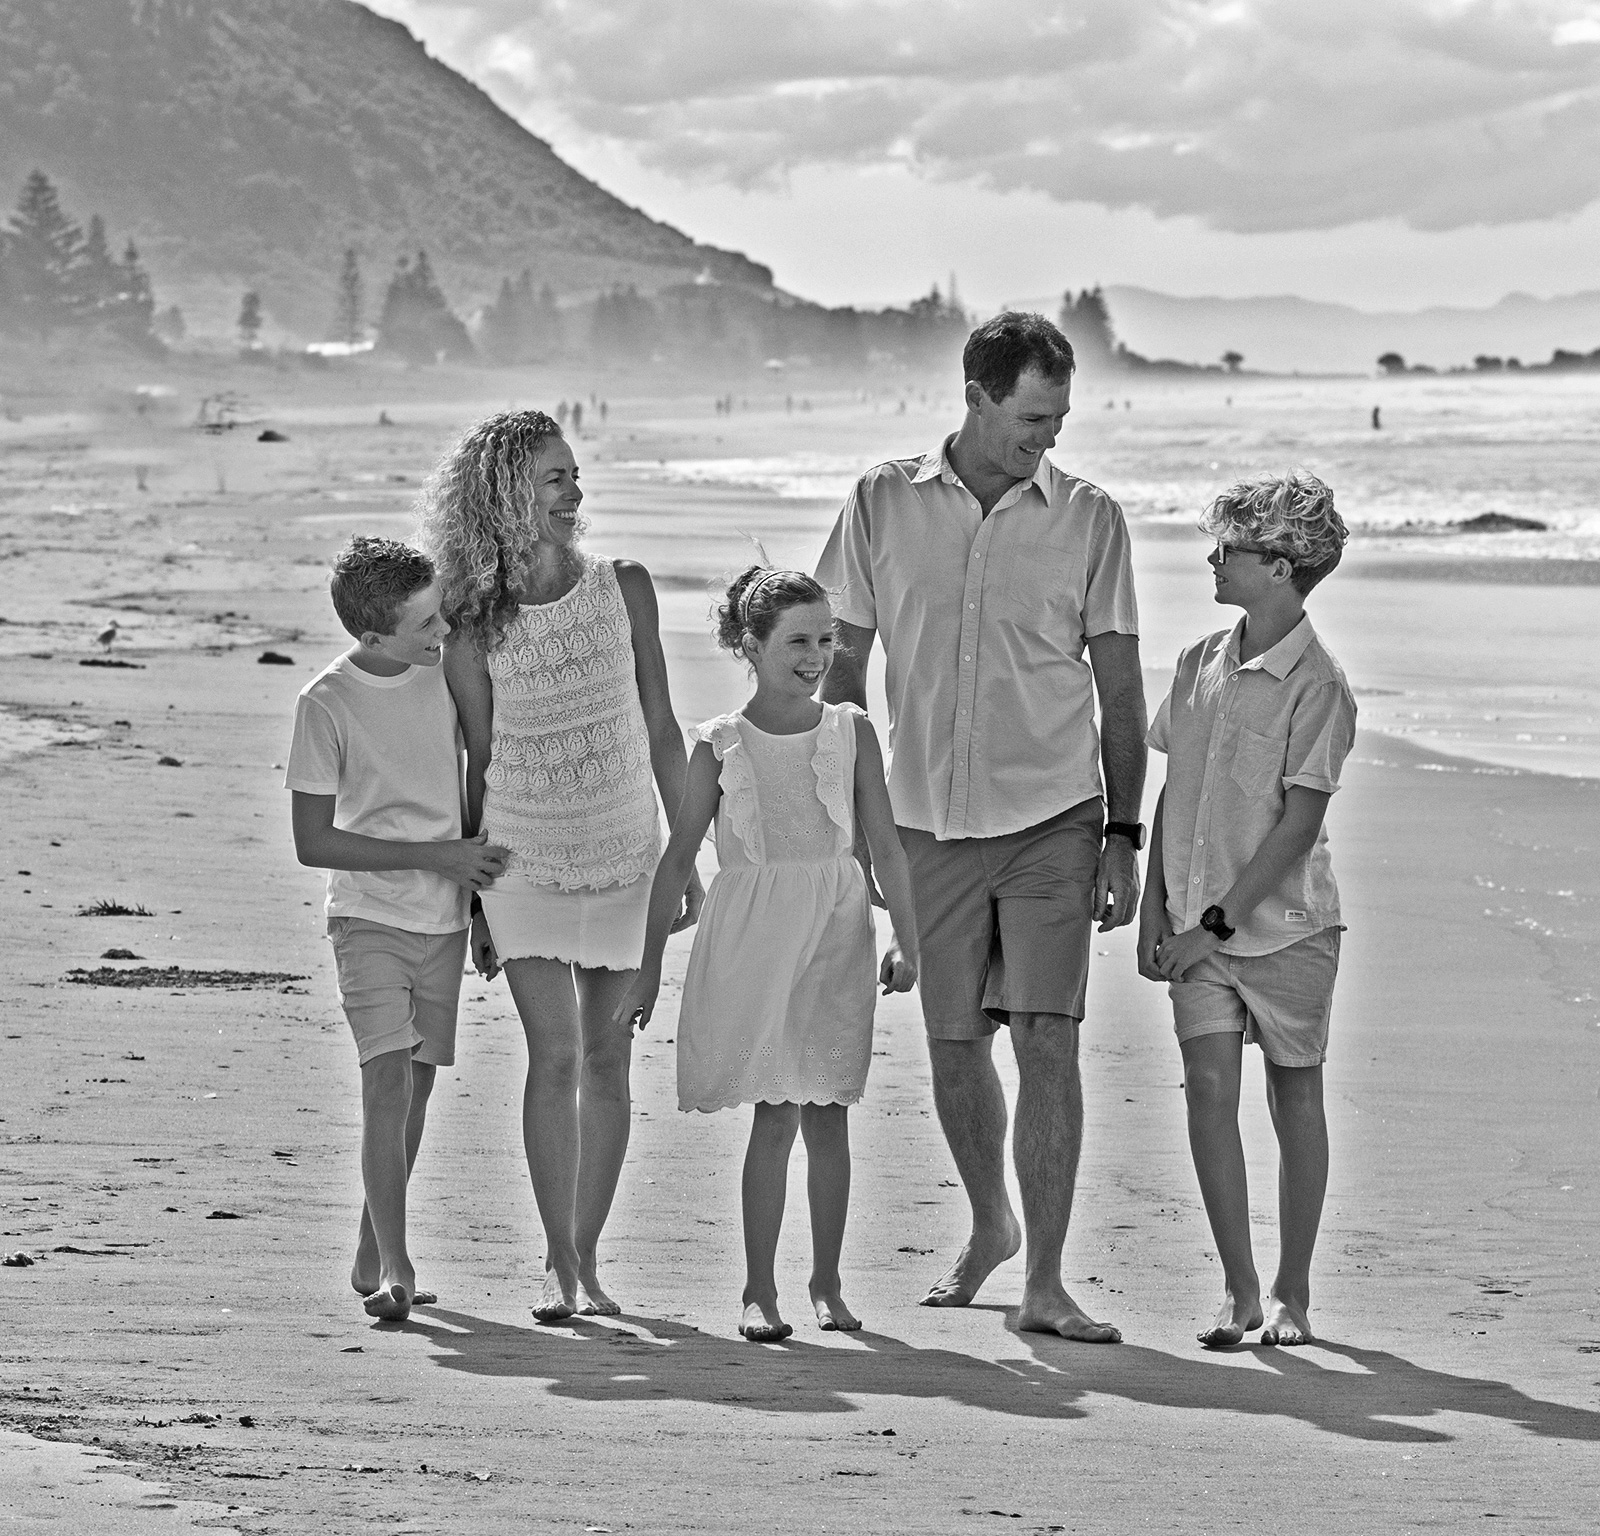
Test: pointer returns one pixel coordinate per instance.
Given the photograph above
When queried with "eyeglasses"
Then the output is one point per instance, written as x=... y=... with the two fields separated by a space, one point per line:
x=1222 y=551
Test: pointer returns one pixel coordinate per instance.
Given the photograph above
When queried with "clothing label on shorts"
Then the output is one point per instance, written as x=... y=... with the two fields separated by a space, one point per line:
x=1290 y=915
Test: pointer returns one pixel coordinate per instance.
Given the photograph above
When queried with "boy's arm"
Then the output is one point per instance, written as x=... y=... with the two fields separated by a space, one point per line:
x=1154 y=928
x=467 y=675
x=875 y=818
x=1290 y=840
x=668 y=760
x=467 y=861
x=695 y=809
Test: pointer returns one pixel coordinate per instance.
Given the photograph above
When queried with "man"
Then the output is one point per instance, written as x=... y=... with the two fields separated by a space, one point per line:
x=989 y=572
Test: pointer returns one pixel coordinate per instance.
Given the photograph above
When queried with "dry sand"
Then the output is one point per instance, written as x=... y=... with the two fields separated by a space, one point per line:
x=1456 y=1280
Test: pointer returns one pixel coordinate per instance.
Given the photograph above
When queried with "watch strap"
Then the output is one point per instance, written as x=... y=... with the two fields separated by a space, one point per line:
x=1132 y=830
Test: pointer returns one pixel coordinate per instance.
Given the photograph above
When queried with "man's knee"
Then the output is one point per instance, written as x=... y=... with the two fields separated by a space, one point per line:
x=386 y=1082
x=1045 y=1041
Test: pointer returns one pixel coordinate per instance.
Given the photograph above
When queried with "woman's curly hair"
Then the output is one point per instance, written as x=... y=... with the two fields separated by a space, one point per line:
x=1291 y=515
x=475 y=524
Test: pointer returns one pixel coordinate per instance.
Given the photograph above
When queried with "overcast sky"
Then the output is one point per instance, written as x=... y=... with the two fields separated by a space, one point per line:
x=1386 y=153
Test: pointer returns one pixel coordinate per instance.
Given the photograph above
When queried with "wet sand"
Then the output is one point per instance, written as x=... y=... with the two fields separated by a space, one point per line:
x=1455 y=1280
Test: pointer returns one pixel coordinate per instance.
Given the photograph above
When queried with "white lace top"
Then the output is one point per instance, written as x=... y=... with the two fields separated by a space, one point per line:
x=569 y=787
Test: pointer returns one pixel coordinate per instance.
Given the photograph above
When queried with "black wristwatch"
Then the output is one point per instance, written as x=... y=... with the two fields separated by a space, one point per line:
x=1215 y=921
x=1132 y=830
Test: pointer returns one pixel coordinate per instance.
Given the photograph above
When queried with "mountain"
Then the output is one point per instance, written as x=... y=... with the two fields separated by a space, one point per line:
x=249 y=143
x=1285 y=334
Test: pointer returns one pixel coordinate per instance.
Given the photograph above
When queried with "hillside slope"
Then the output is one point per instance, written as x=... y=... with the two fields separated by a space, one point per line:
x=247 y=143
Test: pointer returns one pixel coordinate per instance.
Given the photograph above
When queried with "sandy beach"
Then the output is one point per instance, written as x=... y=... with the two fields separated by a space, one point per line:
x=179 y=1160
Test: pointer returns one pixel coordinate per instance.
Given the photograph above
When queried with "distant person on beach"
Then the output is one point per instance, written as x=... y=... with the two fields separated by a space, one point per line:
x=557 y=669
x=1241 y=914
x=777 y=1003
x=1377 y=420
x=1003 y=589
x=375 y=772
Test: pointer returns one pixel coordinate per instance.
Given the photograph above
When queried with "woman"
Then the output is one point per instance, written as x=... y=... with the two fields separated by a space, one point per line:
x=561 y=685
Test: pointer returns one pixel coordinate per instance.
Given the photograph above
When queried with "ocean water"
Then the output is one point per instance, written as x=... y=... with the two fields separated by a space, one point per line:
x=1486 y=648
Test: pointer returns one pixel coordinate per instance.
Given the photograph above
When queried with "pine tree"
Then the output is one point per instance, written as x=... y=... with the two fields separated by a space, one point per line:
x=351 y=321
x=417 y=321
x=135 y=308
x=1086 y=322
x=97 y=272
x=45 y=256
x=250 y=318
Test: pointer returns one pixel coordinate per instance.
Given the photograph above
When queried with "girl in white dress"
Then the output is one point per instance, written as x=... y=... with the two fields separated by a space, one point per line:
x=777 y=1003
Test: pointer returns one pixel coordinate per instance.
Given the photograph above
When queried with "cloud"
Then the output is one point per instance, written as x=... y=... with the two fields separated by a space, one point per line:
x=1250 y=115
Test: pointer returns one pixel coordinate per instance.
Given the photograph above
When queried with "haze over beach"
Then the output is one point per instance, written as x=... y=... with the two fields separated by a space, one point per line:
x=733 y=219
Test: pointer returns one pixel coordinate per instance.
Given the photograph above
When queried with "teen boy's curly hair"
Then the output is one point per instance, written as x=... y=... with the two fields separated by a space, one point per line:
x=372 y=578
x=1290 y=515
x=475 y=521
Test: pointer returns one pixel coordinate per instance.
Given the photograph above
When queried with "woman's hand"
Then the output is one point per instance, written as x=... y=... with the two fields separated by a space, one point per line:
x=484 y=960
x=898 y=973
x=639 y=1002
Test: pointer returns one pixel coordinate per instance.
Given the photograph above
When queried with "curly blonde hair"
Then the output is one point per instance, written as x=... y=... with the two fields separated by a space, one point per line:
x=475 y=524
x=1290 y=515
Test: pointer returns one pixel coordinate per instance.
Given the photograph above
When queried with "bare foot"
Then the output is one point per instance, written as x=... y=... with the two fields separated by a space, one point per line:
x=557 y=1302
x=1053 y=1311
x=592 y=1300
x=364 y=1287
x=392 y=1304
x=1287 y=1323
x=762 y=1325
x=1234 y=1320
x=832 y=1314
x=424 y=1298
x=957 y=1286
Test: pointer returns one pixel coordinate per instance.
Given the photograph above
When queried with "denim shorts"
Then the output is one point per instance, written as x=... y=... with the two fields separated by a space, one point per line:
x=399 y=989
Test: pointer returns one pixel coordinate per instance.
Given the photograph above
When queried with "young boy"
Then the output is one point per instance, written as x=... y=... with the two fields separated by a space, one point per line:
x=375 y=769
x=1241 y=914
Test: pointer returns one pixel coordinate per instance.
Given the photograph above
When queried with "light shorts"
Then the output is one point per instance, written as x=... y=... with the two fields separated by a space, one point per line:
x=1280 y=1001
x=1004 y=923
x=599 y=930
x=399 y=989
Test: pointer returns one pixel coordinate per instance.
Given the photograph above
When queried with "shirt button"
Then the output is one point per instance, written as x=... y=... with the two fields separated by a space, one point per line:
x=1195 y=881
x=972 y=605
x=1199 y=842
x=966 y=658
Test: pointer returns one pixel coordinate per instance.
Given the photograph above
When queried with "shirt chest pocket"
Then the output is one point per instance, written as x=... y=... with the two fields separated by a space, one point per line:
x=1037 y=582
x=1258 y=762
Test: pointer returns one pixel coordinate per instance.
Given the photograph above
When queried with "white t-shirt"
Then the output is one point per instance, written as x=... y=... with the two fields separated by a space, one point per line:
x=389 y=750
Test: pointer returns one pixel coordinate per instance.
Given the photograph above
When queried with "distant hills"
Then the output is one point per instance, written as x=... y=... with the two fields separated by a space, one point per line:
x=1287 y=334
x=248 y=143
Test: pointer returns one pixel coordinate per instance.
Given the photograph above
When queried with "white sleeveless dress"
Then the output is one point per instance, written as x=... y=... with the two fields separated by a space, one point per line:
x=778 y=998
x=569 y=788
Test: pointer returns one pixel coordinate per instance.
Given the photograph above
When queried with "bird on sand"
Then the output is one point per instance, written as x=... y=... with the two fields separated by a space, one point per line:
x=107 y=636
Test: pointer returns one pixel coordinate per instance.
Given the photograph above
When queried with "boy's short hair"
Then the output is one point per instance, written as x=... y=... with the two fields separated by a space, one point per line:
x=1001 y=349
x=1290 y=515
x=372 y=578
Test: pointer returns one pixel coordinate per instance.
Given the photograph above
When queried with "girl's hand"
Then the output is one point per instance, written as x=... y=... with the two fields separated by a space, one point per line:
x=484 y=960
x=639 y=1003
x=1154 y=932
x=898 y=973
x=694 y=897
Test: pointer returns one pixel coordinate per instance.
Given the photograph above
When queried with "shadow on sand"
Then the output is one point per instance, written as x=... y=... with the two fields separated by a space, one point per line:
x=1365 y=1398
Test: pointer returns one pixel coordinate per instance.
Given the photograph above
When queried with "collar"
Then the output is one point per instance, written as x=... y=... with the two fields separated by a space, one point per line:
x=936 y=465
x=1280 y=659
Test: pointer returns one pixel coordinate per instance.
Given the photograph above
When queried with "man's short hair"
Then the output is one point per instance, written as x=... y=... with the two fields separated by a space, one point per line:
x=1290 y=515
x=372 y=578
x=1001 y=350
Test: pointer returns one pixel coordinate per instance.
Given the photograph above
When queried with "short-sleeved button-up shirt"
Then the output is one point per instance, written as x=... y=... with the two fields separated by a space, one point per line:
x=984 y=622
x=1237 y=735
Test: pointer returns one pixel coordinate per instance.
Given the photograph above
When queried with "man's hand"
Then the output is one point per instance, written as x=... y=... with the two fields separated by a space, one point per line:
x=1116 y=884
x=639 y=1002
x=1155 y=932
x=898 y=973
x=484 y=960
x=1183 y=950
x=471 y=861
x=694 y=897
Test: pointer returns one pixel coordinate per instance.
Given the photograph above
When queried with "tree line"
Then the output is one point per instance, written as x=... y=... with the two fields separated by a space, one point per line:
x=56 y=276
